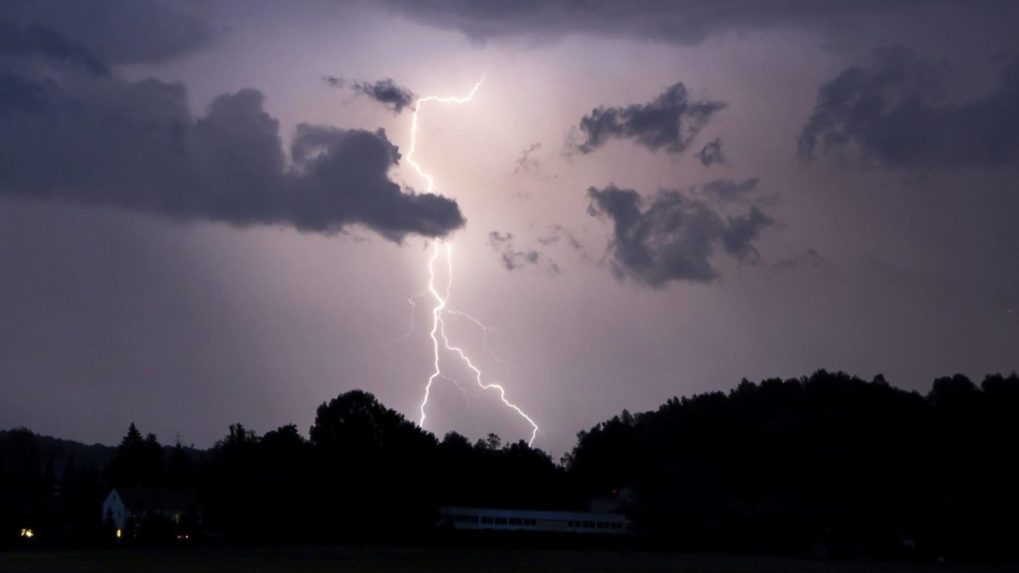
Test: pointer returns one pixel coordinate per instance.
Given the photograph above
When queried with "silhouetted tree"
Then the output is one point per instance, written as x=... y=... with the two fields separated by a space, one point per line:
x=138 y=461
x=375 y=467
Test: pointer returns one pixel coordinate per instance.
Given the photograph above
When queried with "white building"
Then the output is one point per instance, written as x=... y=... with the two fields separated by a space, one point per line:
x=115 y=510
x=477 y=518
x=121 y=506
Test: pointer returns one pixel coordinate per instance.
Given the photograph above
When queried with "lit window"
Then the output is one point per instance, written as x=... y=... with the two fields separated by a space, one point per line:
x=27 y=533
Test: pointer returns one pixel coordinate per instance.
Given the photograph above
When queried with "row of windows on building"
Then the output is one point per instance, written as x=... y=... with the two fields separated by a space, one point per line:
x=596 y=524
x=525 y=521
x=486 y=520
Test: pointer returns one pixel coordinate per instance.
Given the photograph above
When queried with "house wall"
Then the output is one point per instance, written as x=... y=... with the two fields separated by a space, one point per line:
x=114 y=508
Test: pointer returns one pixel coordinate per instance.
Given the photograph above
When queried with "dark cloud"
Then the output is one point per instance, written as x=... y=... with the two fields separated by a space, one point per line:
x=20 y=94
x=668 y=122
x=742 y=231
x=684 y=22
x=513 y=258
x=36 y=41
x=674 y=237
x=116 y=31
x=387 y=92
x=893 y=114
x=135 y=145
x=711 y=153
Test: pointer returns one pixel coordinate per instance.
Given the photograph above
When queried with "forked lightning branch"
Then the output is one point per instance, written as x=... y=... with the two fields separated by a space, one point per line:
x=442 y=251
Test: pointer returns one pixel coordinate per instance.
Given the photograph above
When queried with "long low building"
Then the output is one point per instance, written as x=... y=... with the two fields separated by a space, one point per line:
x=480 y=518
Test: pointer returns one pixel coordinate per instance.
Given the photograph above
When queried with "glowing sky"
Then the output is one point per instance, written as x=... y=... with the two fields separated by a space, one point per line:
x=863 y=217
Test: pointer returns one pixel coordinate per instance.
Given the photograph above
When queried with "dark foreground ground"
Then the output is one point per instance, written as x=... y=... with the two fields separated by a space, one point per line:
x=382 y=560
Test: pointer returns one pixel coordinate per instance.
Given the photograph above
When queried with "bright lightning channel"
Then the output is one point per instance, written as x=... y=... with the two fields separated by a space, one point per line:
x=440 y=341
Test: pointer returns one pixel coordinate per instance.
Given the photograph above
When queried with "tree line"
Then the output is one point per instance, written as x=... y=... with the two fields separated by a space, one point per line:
x=828 y=463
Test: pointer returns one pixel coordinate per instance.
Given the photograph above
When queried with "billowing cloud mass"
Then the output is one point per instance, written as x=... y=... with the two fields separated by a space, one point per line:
x=69 y=134
x=513 y=258
x=387 y=92
x=668 y=122
x=673 y=237
x=711 y=153
x=39 y=41
x=115 y=31
x=894 y=114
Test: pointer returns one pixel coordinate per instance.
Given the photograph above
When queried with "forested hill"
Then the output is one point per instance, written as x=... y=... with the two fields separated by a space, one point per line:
x=55 y=453
x=827 y=459
x=825 y=462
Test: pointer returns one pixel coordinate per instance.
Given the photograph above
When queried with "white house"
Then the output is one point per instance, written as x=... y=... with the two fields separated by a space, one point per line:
x=121 y=506
x=115 y=510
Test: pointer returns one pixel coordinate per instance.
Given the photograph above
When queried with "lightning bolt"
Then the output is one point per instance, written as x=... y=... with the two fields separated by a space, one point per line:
x=444 y=250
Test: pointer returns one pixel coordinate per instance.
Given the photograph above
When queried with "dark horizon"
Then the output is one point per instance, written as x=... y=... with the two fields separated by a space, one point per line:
x=171 y=441
x=775 y=467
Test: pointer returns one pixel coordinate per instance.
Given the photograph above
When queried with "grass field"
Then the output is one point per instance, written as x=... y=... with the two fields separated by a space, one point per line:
x=399 y=560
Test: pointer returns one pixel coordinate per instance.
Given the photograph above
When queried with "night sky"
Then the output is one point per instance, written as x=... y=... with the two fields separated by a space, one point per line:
x=207 y=215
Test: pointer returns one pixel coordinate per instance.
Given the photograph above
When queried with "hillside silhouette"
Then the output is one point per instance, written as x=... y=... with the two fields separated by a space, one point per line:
x=824 y=465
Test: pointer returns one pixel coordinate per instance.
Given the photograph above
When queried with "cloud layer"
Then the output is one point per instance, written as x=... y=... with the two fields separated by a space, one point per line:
x=892 y=114
x=115 y=31
x=684 y=22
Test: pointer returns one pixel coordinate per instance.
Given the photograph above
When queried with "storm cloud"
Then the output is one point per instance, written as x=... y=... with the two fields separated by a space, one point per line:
x=114 y=31
x=682 y=22
x=37 y=41
x=71 y=135
x=672 y=237
x=386 y=92
x=893 y=113
x=669 y=122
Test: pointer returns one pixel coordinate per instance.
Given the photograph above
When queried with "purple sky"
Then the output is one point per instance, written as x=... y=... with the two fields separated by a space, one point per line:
x=182 y=251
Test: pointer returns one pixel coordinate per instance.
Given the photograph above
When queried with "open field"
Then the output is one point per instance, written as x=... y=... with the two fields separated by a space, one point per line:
x=399 y=560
